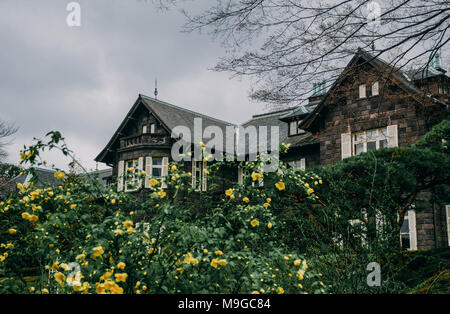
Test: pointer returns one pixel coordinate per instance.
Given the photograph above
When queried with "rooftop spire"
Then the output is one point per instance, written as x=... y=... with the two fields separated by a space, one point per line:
x=156 y=88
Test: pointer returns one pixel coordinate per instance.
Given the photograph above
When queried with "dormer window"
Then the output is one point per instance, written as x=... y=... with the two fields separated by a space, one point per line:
x=144 y=129
x=152 y=128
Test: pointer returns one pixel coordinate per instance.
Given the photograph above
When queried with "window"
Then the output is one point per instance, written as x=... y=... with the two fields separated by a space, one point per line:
x=298 y=164
x=131 y=180
x=157 y=168
x=362 y=91
x=293 y=127
x=369 y=140
x=408 y=231
x=199 y=173
x=375 y=89
x=152 y=128
x=447 y=211
x=144 y=129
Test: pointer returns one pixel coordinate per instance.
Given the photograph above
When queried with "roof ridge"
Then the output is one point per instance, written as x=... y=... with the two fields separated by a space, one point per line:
x=187 y=110
x=274 y=112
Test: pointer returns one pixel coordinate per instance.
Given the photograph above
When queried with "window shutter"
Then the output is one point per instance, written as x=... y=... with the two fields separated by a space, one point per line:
x=194 y=173
x=240 y=176
x=303 y=164
x=164 y=171
x=120 y=175
x=261 y=181
x=362 y=91
x=204 y=177
x=447 y=210
x=412 y=229
x=346 y=145
x=392 y=136
x=148 y=171
x=375 y=89
x=140 y=168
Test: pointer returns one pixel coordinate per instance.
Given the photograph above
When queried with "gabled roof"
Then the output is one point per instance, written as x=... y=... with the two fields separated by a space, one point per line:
x=404 y=82
x=168 y=115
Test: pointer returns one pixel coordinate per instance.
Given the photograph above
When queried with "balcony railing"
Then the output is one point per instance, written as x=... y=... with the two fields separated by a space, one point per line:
x=143 y=139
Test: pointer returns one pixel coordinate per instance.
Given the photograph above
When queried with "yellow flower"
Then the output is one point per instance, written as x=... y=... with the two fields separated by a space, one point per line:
x=310 y=191
x=307 y=185
x=218 y=252
x=113 y=201
x=153 y=182
x=173 y=168
x=190 y=259
x=269 y=225
x=127 y=224
x=300 y=274
x=254 y=223
x=55 y=266
x=232 y=196
x=121 y=277
x=280 y=185
x=12 y=231
x=320 y=182
x=266 y=205
x=59 y=175
x=98 y=251
x=229 y=192
x=255 y=292
x=256 y=176
x=44 y=291
x=297 y=262
x=73 y=206
x=280 y=290
x=222 y=262
x=60 y=278
x=25 y=215
x=215 y=262
x=268 y=200
x=121 y=265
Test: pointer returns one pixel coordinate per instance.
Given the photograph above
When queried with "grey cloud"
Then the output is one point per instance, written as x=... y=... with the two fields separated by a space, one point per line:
x=82 y=81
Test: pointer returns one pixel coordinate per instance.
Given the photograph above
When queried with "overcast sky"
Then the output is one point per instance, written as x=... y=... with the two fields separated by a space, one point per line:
x=83 y=80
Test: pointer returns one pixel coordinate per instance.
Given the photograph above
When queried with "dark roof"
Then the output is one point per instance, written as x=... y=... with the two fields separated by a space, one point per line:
x=44 y=177
x=419 y=74
x=404 y=81
x=274 y=119
x=169 y=115
x=300 y=111
x=270 y=119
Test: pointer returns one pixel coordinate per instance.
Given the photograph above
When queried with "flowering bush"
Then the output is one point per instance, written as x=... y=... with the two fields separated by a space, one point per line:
x=82 y=237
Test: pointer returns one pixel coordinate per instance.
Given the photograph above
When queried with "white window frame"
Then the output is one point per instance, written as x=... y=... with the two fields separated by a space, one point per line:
x=412 y=231
x=153 y=128
x=134 y=180
x=144 y=129
x=362 y=91
x=375 y=88
x=199 y=175
x=293 y=124
x=447 y=212
x=298 y=164
x=359 y=138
